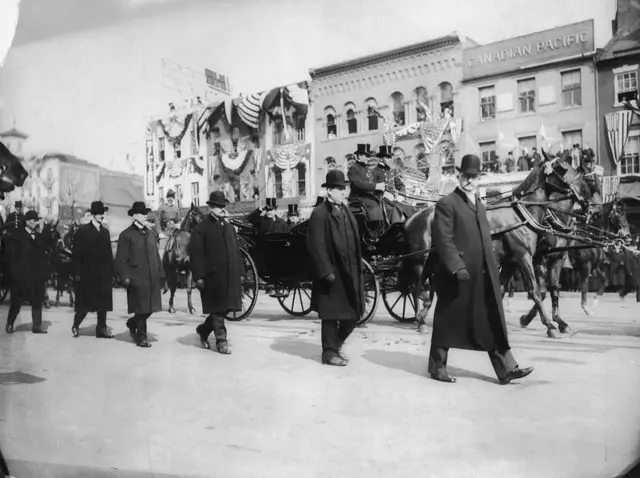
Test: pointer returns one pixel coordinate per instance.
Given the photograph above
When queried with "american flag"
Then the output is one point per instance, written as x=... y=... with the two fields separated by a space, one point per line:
x=618 y=124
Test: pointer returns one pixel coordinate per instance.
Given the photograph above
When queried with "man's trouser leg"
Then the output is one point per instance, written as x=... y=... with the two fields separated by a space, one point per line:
x=140 y=321
x=102 y=321
x=78 y=317
x=438 y=360
x=36 y=317
x=345 y=327
x=214 y=323
x=14 y=310
x=330 y=339
x=503 y=362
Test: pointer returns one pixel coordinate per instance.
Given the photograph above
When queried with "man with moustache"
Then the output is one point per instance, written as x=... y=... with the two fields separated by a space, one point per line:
x=337 y=294
x=92 y=262
x=217 y=268
x=469 y=311
x=363 y=187
x=139 y=268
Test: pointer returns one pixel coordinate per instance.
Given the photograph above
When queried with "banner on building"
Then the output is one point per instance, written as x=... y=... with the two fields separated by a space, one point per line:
x=216 y=81
x=150 y=174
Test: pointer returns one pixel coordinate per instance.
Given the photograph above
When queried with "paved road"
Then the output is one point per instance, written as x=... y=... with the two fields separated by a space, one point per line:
x=97 y=408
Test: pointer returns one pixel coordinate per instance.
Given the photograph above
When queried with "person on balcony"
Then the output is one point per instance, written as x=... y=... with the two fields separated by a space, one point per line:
x=509 y=163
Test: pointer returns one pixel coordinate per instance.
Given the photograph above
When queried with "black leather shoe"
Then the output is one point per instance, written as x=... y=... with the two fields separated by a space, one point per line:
x=203 y=340
x=334 y=359
x=39 y=331
x=515 y=374
x=343 y=356
x=144 y=344
x=75 y=331
x=9 y=328
x=132 y=331
x=223 y=348
x=105 y=334
x=443 y=377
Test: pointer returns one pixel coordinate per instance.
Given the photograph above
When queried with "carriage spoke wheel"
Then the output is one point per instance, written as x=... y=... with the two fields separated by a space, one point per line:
x=298 y=302
x=401 y=307
x=371 y=294
x=250 y=282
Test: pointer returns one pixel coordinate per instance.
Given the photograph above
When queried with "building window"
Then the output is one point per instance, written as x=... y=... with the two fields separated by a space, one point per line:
x=302 y=179
x=527 y=95
x=352 y=120
x=161 y=145
x=630 y=161
x=421 y=98
x=194 y=142
x=195 y=193
x=569 y=138
x=571 y=88
x=446 y=98
x=487 y=102
x=177 y=150
x=277 y=183
x=299 y=130
x=398 y=108
x=161 y=194
x=178 y=191
x=372 y=114
x=488 y=155
x=528 y=143
x=626 y=86
x=278 y=131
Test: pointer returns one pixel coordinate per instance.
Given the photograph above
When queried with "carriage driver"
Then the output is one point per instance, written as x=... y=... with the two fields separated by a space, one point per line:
x=168 y=218
x=363 y=187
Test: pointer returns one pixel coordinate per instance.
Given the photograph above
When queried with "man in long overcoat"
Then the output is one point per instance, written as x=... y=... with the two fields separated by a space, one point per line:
x=363 y=186
x=469 y=311
x=216 y=266
x=28 y=267
x=93 y=271
x=139 y=268
x=333 y=244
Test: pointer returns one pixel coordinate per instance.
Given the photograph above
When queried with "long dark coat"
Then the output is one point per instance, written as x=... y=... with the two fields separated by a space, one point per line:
x=28 y=266
x=334 y=247
x=137 y=259
x=215 y=257
x=469 y=314
x=362 y=189
x=617 y=271
x=92 y=262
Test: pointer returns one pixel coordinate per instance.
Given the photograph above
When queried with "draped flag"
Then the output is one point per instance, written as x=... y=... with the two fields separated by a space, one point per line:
x=432 y=133
x=618 y=124
x=288 y=156
x=249 y=109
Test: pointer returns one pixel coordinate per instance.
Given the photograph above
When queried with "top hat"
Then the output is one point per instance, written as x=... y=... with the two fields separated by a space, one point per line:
x=271 y=203
x=171 y=193
x=471 y=165
x=139 y=207
x=335 y=179
x=97 y=207
x=217 y=199
x=363 y=150
x=293 y=210
x=31 y=215
x=18 y=204
x=385 y=152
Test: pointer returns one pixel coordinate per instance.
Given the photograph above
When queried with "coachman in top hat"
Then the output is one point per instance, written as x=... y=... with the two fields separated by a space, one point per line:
x=382 y=173
x=363 y=187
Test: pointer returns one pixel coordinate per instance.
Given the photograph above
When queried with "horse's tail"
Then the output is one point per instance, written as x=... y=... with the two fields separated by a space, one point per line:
x=417 y=237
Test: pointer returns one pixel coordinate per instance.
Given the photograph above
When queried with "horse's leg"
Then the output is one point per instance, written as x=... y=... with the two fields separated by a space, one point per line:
x=192 y=310
x=554 y=290
x=585 y=272
x=529 y=276
x=601 y=279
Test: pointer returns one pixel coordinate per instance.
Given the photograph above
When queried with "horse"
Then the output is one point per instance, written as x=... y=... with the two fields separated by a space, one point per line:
x=176 y=260
x=62 y=260
x=12 y=172
x=516 y=225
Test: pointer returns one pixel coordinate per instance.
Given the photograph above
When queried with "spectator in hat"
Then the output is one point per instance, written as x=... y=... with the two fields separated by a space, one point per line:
x=363 y=187
x=293 y=217
x=217 y=269
x=523 y=161
x=337 y=293
x=28 y=269
x=139 y=268
x=536 y=159
x=266 y=218
x=509 y=163
x=396 y=211
x=14 y=219
x=92 y=262
x=469 y=311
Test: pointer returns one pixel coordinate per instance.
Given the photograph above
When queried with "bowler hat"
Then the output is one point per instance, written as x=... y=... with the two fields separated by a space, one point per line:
x=363 y=150
x=471 y=165
x=139 y=207
x=171 y=193
x=293 y=210
x=217 y=199
x=385 y=152
x=31 y=215
x=97 y=207
x=335 y=179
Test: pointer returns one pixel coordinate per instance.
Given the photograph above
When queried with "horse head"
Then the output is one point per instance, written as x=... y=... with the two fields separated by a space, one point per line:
x=561 y=177
x=617 y=221
x=194 y=216
x=12 y=173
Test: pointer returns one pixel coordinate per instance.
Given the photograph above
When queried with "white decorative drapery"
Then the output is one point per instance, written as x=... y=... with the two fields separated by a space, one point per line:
x=618 y=124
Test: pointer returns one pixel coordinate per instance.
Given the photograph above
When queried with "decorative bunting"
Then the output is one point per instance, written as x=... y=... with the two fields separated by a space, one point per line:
x=177 y=138
x=249 y=109
x=288 y=157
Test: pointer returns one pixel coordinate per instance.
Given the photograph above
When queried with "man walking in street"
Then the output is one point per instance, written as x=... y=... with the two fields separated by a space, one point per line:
x=139 y=268
x=28 y=267
x=92 y=262
x=337 y=294
x=216 y=267
x=469 y=311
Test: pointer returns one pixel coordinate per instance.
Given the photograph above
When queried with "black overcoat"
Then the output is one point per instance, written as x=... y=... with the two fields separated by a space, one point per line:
x=138 y=259
x=334 y=248
x=362 y=189
x=468 y=315
x=28 y=266
x=216 y=258
x=92 y=260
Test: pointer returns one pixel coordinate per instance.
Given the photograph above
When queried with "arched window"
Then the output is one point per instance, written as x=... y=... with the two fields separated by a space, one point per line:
x=421 y=98
x=372 y=114
x=352 y=120
x=446 y=97
x=332 y=127
x=397 y=99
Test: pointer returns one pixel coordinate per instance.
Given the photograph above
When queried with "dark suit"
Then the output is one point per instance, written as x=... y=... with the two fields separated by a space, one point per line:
x=362 y=190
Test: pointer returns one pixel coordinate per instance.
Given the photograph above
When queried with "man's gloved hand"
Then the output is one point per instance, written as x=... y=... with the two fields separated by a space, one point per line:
x=200 y=284
x=463 y=275
x=126 y=283
x=330 y=278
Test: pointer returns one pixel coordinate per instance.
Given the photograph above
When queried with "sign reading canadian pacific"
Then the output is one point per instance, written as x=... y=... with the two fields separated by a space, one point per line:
x=529 y=50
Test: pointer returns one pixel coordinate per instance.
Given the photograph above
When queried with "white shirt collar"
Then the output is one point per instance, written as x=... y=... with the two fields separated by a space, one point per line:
x=96 y=224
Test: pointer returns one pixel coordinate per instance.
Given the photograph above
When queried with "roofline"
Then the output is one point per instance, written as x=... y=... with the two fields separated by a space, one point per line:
x=14 y=132
x=406 y=50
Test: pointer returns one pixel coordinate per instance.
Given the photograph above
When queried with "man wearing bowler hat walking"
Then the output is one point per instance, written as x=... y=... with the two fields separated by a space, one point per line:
x=92 y=262
x=469 y=311
x=337 y=294
x=216 y=266
x=139 y=268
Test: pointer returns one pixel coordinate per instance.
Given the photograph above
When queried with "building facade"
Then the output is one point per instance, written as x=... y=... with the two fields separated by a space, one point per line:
x=357 y=101
x=537 y=90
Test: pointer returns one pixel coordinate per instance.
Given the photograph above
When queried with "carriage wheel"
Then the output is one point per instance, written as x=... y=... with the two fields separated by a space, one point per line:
x=400 y=306
x=249 y=288
x=371 y=294
x=298 y=302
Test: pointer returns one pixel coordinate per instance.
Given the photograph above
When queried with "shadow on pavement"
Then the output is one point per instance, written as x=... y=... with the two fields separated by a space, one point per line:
x=298 y=348
x=30 y=469
x=126 y=337
x=27 y=326
x=192 y=340
x=416 y=364
x=19 y=378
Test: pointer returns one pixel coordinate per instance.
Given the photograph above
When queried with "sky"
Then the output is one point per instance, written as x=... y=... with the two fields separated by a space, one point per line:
x=84 y=76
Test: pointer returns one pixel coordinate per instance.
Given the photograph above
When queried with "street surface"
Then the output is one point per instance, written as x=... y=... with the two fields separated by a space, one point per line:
x=88 y=407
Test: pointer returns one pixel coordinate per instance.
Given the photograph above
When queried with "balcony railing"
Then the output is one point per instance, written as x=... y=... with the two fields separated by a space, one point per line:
x=295 y=136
